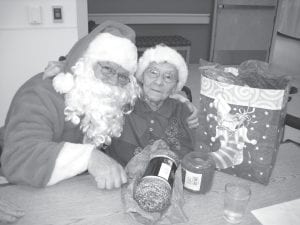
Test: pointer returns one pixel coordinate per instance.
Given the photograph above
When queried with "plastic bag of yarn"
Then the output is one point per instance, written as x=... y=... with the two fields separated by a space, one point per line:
x=167 y=204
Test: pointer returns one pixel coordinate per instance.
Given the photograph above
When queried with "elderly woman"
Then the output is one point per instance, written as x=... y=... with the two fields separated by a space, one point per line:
x=162 y=73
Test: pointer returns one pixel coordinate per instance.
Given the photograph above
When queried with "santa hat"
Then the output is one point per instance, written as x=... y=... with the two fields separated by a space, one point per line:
x=159 y=54
x=108 y=47
x=121 y=35
x=110 y=41
x=221 y=105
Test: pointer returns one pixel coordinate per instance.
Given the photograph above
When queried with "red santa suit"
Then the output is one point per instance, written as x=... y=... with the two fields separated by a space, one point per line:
x=41 y=148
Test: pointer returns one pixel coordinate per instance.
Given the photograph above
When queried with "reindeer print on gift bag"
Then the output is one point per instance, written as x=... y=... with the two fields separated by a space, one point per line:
x=241 y=127
x=232 y=131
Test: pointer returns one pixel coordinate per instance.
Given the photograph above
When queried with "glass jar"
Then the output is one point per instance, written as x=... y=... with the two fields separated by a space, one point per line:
x=197 y=172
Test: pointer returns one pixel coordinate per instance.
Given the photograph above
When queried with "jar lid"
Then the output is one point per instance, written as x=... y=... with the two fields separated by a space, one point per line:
x=199 y=160
x=167 y=153
x=153 y=194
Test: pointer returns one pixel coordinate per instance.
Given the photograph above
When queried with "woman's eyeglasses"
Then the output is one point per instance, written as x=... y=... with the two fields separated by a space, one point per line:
x=168 y=77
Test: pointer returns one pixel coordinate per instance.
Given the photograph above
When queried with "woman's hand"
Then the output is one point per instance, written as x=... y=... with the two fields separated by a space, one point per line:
x=192 y=120
x=107 y=172
x=53 y=68
x=9 y=213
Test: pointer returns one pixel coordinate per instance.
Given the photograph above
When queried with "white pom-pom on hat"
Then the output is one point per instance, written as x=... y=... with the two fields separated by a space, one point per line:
x=63 y=82
x=162 y=53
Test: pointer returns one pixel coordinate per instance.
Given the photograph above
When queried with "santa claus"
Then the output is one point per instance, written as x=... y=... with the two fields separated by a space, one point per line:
x=54 y=126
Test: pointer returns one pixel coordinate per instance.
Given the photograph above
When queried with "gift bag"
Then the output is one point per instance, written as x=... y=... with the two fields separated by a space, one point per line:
x=242 y=112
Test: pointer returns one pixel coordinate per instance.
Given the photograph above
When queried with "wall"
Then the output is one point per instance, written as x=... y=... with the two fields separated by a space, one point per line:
x=150 y=6
x=286 y=56
x=82 y=17
x=199 y=35
x=25 y=49
x=289 y=23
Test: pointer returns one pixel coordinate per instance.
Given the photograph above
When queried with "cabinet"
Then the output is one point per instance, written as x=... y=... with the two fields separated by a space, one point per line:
x=242 y=30
x=179 y=43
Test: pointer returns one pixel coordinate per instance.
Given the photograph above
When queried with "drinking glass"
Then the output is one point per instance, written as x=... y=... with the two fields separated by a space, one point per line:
x=236 y=200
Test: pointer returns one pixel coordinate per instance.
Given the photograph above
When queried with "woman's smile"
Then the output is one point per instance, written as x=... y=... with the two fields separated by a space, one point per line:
x=155 y=90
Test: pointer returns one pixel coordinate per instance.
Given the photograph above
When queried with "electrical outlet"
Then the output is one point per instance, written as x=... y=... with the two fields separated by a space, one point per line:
x=57 y=13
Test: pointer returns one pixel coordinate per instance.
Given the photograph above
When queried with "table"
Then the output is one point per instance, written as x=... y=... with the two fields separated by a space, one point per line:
x=78 y=201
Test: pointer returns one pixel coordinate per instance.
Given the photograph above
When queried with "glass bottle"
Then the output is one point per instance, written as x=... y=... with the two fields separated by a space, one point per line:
x=153 y=191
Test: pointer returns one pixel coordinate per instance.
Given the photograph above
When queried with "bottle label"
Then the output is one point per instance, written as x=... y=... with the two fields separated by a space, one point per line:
x=165 y=170
x=162 y=167
x=192 y=181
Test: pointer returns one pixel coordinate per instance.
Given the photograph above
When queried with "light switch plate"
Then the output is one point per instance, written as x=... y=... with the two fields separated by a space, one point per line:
x=57 y=14
x=34 y=14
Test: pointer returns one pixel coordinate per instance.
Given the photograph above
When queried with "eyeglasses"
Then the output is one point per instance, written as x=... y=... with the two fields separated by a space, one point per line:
x=112 y=74
x=168 y=77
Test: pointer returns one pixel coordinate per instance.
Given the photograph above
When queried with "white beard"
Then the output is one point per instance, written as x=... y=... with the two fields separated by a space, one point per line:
x=97 y=106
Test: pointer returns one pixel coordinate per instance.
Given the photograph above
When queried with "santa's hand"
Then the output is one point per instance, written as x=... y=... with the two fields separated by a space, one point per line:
x=53 y=68
x=9 y=213
x=192 y=120
x=107 y=172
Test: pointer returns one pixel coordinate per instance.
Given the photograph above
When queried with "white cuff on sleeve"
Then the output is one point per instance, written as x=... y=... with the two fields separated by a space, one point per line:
x=72 y=160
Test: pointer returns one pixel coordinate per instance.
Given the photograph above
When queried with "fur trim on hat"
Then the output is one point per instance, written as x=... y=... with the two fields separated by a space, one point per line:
x=112 y=27
x=108 y=47
x=159 y=54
